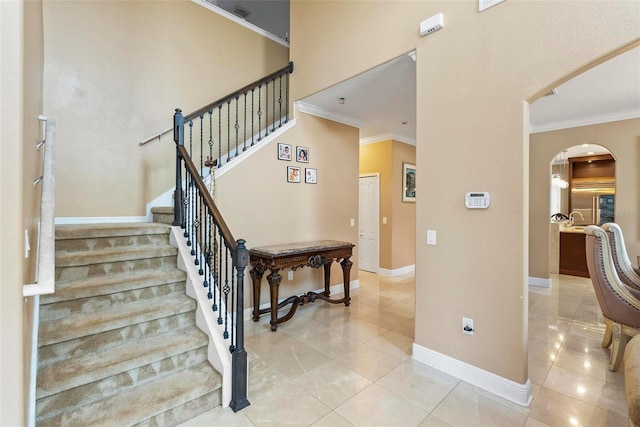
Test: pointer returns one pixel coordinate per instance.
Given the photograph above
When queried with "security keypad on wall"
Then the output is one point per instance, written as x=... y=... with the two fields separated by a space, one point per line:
x=477 y=200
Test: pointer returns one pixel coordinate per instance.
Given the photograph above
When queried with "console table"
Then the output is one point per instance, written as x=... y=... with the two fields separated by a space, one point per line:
x=314 y=254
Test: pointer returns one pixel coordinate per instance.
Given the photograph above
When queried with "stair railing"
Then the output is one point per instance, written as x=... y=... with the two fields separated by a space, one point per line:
x=228 y=127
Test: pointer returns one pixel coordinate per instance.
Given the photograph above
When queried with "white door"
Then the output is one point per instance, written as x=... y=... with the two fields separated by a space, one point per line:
x=369 y=212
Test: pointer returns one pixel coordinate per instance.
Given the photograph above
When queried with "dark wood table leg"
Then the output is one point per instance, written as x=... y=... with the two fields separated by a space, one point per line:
x=327 y=277
x=274 y=286
x=346 y=276
x=256 y=275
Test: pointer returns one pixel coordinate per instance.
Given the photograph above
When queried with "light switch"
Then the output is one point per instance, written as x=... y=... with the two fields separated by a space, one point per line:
x=431 y=237
x=353 y=222
x=384 y=219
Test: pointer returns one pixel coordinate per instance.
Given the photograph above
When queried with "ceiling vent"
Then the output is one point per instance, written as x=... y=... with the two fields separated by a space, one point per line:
x=241 y=12
x=551 y=92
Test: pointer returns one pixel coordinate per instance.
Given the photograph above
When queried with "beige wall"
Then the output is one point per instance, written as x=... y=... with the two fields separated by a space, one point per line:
x=115 y=71
x=474 y=79
x=260 y=206
x=622 y=138
x=22 y=68
x=403 y=221
x=397 y=236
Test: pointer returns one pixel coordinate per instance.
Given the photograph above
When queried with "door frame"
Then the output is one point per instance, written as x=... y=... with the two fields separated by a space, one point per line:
x=376 y=210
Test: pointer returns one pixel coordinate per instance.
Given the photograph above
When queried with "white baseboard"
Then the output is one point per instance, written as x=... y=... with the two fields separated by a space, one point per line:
x=538 y=281
x=99 y=219
x=515 y=392
x=335 y=289
x=398 y=271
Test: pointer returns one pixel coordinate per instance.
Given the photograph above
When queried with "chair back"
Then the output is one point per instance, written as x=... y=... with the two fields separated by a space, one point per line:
x=617 y=302
x=620 y=257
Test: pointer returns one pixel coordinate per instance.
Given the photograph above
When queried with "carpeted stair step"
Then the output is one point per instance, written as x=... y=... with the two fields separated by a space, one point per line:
x=102 y=341
x=102 y=303
x=92 y=231
x=107 y=242
x=83 y=324
x=182 y=394
x=67 y=374
x=112 y=255
x=163 y=214
x=82 y=395
x=112 y=268
x=120 y=282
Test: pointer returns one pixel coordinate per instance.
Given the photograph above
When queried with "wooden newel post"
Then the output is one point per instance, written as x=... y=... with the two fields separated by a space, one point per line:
x=239 y=365
x=178 y=138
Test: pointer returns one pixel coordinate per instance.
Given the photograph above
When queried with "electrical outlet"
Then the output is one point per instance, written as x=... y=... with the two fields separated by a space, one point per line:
x=467 y=326
x=290 y=275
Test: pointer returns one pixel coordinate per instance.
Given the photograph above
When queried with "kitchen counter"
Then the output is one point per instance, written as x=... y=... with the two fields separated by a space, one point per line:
x=573 y=254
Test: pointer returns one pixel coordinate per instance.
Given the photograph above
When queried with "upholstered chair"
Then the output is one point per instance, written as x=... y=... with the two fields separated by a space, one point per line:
x=619 y=303
x=621 y=260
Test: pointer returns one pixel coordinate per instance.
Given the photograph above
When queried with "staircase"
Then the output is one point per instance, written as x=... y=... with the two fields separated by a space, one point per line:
x=118 y=344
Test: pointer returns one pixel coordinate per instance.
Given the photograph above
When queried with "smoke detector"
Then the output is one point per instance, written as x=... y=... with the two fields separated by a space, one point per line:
x=551 y=92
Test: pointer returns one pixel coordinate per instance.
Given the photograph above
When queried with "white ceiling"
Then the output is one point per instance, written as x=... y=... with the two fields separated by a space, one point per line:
x=379 y=100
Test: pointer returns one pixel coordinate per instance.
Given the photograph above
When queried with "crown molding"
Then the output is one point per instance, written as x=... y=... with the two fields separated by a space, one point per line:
x=303 y=107
x=586 y=121
x=387 y=137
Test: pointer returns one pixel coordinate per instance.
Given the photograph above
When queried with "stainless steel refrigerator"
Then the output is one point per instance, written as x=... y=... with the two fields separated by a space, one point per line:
x=594 y=200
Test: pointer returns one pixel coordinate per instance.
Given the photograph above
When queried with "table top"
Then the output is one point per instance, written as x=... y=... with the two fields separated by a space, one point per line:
x=297 y=248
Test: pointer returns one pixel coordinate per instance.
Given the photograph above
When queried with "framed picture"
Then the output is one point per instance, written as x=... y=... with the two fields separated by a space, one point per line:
x=310 y=176
x=408 y=182
x=284 y=152
x=302 y=154
x=293 y=174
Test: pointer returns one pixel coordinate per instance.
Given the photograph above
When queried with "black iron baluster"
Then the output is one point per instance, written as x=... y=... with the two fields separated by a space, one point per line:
x=214 y=260
x=220 y=246
x=266 y=103
x=189 y=200
x=228 y=131
x=226 y=290
x=244 y=136
x=236 y=126
x=273 y=115
x=207 y=251
x=287 y=99
x=253 y=133
x=220 y=133
x=259 y=112
x=280 y=100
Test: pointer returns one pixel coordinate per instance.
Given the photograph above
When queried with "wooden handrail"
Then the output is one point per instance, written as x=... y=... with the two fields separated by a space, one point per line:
x=219 y=220
x=288 y=68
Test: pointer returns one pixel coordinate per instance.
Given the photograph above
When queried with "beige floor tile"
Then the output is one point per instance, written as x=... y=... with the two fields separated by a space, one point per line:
x=394 y=344
x=594 y=365
x=331 y=343
x=332 y=383
x=531 y=422
x=419 y=384
x=286 y=405
x=369 y=362
x=406 y=328
x=219 y=417
x=463 y=407
x=605 y=395
x=360 y=331
x=384 y=319
x=294 y=359
x=376 y=406
x=332 y=420
x=559 y=410
x=433 y=421
x=263 y=378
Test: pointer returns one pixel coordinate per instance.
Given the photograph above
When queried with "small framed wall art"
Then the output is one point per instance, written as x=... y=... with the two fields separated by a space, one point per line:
x=293 y=174
x=284 y=152
x=408 y=182
x=311 y=176
x=302 y=154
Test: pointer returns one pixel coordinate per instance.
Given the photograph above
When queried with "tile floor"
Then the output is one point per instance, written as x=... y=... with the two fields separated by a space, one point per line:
x=331 y=366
